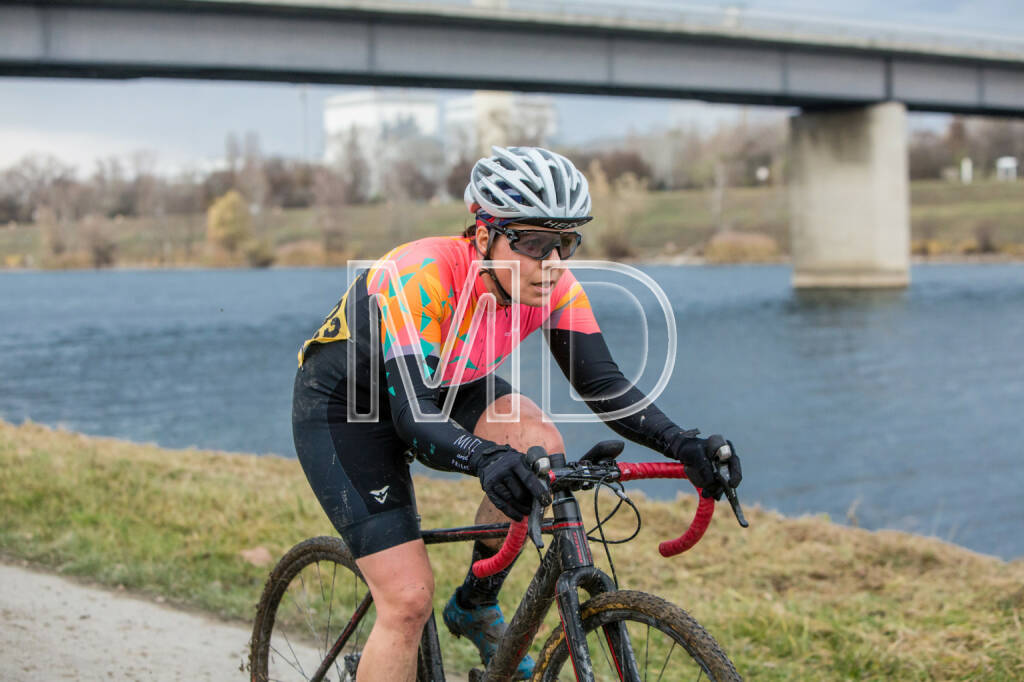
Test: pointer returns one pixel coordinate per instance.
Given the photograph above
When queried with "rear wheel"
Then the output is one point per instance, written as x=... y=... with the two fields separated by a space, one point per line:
x=666 y=643
x=314 y=595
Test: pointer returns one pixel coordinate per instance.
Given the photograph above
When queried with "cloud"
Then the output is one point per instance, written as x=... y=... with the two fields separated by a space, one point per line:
x=79 y=149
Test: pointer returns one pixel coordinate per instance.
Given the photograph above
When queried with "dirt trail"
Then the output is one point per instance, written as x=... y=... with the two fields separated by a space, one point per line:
x=55 y=628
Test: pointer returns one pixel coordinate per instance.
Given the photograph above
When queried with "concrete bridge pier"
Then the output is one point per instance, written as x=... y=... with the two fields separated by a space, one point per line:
x=849 y=198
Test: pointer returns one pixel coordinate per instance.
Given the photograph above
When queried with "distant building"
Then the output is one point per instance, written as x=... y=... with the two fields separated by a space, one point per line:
x=966 y=170
x=473 y=123
x=374 y=122
x=381 y=124
x=1006 y=169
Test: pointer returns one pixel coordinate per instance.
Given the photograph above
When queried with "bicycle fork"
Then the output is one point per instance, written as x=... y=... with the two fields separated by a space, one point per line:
x=578 y=570
x=567 y=566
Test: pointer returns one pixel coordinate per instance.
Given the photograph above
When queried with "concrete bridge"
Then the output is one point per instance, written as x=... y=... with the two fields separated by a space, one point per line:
x=849 y=184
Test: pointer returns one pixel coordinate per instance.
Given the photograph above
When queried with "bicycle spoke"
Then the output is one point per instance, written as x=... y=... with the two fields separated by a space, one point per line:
x=298 y=665
x=605 y=652
x=665 y=665
x=310 y=599
x=330 y=605
x=359 y=628
x=330 y=612
x=647 y=648
x=309 y=616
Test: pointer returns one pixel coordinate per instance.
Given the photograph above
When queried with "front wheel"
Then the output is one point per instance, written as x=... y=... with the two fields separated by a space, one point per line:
x=663 y=643
x=314 y=616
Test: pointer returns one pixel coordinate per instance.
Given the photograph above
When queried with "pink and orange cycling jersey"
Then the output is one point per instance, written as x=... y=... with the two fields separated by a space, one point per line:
x=431 y=298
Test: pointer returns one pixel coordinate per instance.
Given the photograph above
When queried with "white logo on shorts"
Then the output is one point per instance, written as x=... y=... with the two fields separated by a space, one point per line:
x=380 y=495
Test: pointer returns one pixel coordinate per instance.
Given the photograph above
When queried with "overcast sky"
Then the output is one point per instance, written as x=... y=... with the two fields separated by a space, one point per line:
x=185 y=122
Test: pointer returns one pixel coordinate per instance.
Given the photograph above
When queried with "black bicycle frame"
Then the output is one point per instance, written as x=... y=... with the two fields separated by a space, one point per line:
x=566 y=566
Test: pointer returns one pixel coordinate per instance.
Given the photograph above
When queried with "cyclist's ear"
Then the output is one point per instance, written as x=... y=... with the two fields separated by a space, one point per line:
x=482 y=237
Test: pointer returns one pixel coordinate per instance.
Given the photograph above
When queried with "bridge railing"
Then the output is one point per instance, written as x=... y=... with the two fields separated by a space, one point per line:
x=746 y=22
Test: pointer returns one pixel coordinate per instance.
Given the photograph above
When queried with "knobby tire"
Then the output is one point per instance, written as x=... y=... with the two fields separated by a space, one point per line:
x=700 y=656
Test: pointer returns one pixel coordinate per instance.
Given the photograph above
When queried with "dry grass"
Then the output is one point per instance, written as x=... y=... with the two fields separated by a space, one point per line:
x=945 y=218
x=788 y=598
x=741 y=247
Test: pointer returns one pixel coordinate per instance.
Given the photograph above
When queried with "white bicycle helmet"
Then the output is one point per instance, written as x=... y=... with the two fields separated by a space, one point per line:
x=529 y=185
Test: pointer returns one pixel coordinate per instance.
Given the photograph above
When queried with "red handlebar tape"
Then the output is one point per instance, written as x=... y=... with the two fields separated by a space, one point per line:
x=507 y=554
x=631 y=471
x=693 y=534
x=705 y=508
x=628 y=471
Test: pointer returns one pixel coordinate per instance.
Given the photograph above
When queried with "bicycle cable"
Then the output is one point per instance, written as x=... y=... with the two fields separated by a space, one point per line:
x=619 y=491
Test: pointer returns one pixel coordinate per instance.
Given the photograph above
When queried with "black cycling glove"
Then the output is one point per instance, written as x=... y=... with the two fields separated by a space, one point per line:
x=509 y=482
x=699 y=458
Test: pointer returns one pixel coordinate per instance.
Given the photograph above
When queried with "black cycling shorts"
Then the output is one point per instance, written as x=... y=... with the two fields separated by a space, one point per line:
x=360 y=470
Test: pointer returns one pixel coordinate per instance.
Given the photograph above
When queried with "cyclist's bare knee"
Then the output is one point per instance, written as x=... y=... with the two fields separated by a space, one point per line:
x=402 y=584
x=531 y=429
x=528 y=430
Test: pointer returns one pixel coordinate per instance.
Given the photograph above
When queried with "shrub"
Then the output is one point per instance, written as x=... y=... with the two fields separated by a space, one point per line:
x=258 y=253
x=228 y=222
x=299 y=253
x=741 y=247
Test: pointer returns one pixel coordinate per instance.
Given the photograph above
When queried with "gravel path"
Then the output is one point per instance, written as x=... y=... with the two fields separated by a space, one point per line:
x=55 y=628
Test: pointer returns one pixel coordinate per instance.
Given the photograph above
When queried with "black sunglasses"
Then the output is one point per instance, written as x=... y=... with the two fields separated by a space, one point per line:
x=538 y=244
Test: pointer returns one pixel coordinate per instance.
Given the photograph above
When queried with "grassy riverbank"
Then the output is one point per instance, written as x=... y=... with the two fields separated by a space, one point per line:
x=947 y=221
x=788 y=598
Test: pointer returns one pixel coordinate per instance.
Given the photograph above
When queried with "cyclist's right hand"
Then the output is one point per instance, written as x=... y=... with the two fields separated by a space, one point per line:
x=509 y=482
x=700 y=458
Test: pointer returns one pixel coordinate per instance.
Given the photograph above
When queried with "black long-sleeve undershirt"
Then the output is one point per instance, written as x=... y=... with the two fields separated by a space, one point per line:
x=583 y=358
x=590 y=369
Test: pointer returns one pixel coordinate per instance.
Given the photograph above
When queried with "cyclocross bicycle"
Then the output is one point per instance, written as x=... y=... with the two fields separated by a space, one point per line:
x=316 y=611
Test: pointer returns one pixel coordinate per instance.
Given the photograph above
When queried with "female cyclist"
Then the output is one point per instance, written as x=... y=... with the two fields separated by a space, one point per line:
x=400 y=367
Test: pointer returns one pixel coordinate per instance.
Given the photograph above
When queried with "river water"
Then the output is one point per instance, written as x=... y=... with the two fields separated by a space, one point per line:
x=904 y=409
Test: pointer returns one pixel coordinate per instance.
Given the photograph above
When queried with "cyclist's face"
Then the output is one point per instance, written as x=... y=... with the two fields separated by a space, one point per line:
x=536 y=282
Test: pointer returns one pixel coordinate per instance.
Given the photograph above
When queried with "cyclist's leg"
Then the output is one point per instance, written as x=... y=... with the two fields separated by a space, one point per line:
x=361 y=478
x=402 y=585
x=528 y=431
x=473 y=610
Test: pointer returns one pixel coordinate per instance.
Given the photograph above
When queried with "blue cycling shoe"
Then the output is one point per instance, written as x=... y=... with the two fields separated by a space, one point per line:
x=484 y=626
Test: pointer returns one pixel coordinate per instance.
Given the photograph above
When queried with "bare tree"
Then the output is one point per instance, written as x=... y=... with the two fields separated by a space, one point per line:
x=145 y=187
x=331 y=192
x=413 y=163
x=41 y=180
x=355 y=171
x=55 y=237
x=232 y=153
x=252 y=181
x=98 y=237
x=458 y=177
x=990 y=138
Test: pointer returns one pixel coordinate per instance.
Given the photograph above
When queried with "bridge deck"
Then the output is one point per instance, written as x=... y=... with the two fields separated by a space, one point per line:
x=514 y=49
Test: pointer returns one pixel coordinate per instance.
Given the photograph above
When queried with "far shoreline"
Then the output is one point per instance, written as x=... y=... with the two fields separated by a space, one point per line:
x=674 y=260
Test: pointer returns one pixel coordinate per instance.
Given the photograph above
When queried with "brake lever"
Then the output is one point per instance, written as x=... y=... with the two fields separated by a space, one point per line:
x=533 y=526
x=722 y=455
x=540 y=462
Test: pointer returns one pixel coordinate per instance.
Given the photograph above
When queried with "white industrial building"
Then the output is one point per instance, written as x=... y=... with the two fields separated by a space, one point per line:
x=377 y=121
x=1006 y=169
x=380 y=123
x=475 y=122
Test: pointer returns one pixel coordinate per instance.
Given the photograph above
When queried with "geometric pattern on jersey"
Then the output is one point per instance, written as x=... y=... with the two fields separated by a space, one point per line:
x=428 y=299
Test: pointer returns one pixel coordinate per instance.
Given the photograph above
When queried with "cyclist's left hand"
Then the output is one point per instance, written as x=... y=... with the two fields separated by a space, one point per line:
x=699 y=456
